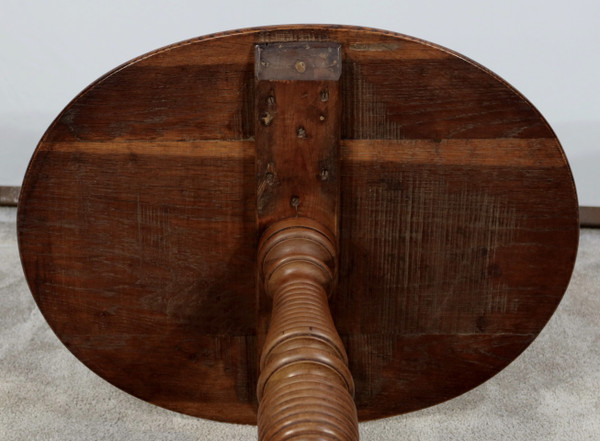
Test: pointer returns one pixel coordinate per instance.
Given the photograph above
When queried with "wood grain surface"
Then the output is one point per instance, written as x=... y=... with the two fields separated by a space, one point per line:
x=458 y=223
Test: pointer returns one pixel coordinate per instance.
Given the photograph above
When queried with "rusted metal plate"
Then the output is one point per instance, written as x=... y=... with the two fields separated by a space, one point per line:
x=303 y=61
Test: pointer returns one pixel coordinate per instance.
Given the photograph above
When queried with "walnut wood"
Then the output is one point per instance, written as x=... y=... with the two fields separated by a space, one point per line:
x=297 y=140
x=457 y=234
x=305 y=386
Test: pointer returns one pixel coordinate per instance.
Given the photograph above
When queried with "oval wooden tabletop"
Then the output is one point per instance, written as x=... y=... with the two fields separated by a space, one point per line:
x=458 y=227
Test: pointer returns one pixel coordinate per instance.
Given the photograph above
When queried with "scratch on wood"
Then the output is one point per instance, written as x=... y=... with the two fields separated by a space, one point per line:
x=153 y=227
x=367 y=355
x=364 y=116
x=438 y=253
x=376 y=47
x=293 y=35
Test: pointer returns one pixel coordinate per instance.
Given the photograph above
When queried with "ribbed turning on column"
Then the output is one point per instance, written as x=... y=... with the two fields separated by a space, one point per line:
x=305 y=388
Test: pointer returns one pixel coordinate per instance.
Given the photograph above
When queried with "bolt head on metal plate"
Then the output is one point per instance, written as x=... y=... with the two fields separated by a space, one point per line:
x=309 y=61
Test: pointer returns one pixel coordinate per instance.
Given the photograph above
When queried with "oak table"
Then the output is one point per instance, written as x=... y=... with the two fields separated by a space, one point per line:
x=300 y=226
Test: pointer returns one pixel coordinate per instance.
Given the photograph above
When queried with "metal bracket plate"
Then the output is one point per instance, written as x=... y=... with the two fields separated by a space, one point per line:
x=308 y=61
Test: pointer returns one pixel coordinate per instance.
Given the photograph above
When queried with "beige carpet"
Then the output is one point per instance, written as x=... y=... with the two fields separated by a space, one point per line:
x=551 y=392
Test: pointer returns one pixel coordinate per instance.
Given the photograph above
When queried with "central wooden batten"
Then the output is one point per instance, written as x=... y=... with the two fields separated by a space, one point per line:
x=297 y=132
x=305 y=388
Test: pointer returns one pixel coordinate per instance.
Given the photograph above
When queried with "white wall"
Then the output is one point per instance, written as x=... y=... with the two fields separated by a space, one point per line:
x=549 y=50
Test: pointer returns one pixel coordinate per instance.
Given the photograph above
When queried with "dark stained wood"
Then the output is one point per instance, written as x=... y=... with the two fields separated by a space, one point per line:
x=458 y=223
